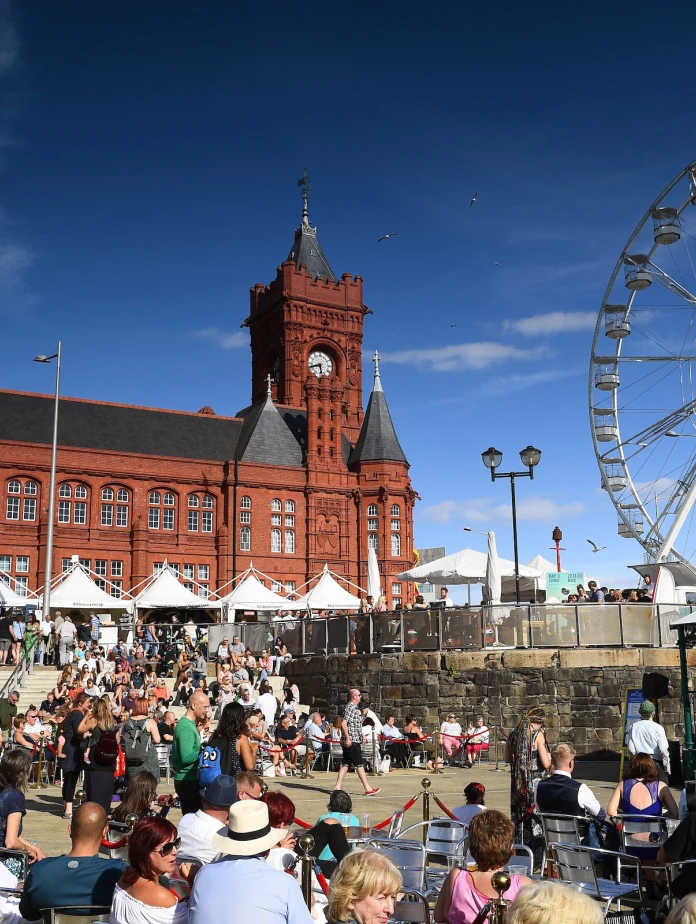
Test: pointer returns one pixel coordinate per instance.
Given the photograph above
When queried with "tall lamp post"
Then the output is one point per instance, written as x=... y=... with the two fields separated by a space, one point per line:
x=52 y=481
x=493 y=459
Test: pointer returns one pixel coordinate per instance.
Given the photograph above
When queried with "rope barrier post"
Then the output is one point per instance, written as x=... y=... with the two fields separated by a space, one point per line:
x=38 y=784
x=495 y=745
x=80 y=796
x=305 y=773
x=375 y=766
x=426 y=784
x=307 y=844
x=131 y=821
x=437 y=741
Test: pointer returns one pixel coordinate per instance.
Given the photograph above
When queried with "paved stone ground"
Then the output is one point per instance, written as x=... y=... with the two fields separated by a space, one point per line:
x=44 y=825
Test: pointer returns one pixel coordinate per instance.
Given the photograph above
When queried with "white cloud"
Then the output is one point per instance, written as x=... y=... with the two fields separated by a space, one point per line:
x=555 y=322
x=227 y=341
x=462 y=356
x=14 y=261
x=504 y=384
x=480 y=510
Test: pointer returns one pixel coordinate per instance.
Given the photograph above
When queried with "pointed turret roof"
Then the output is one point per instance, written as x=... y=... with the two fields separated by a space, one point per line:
x=378 y=439
x=265 y=436
x=306 y=248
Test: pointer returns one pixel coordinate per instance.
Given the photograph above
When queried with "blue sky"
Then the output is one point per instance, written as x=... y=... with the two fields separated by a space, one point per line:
x=149 y=156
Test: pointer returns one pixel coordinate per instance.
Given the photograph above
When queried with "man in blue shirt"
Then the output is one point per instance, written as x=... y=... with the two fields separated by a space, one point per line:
x=260 y=892
x=81 y=877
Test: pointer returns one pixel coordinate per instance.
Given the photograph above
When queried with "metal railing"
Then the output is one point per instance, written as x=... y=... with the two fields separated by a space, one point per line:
x=475 y=628
x=17 y=679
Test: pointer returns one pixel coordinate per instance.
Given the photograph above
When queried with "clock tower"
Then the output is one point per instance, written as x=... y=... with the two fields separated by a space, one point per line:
x=306 y=330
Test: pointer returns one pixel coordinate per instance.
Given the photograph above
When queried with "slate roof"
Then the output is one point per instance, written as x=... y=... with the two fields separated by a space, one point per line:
x=378 y=439
x=306 y=249
x=265 y=437
x=94 y=425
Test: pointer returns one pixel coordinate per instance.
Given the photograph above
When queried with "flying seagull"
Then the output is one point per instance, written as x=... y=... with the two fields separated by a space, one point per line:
x=496 y=264
x=385 y=237
x=595 y=547
x=453 y=325
x=473 y=199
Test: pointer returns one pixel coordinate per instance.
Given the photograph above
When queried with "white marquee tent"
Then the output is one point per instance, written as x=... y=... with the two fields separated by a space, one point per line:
x=252 y=594
x=327 y=594
x=9 y=597
x=465 y=567
x=165 y=591
x=528 y=585
x=75 y=590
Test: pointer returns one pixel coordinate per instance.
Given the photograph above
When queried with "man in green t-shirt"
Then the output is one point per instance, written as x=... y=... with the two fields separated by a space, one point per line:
x=185 y=750
x=8 y=710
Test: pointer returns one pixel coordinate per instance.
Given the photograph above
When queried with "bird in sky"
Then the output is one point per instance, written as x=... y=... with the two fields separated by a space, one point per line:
x=496 y=264
x=595 y=547
x=473 y=199
x=453 y=325
x=385 y=237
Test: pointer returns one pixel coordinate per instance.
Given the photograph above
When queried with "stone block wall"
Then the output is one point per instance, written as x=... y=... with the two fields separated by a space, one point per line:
x=582 y=690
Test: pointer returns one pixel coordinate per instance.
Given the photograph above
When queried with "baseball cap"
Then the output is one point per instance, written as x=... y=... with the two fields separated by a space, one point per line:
x=646 y=707
x=222 y=792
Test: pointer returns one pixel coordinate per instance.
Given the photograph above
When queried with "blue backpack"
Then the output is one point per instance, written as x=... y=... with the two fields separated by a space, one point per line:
x=208 y=765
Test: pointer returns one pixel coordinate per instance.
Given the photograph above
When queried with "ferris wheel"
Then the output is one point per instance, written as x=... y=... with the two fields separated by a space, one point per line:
x=642 y=383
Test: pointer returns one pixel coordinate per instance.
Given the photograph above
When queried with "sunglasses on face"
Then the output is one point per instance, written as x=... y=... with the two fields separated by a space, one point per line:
x=166 y=849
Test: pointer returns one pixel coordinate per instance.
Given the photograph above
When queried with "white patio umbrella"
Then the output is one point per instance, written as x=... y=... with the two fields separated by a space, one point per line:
x=374 y=582
x=493 y=582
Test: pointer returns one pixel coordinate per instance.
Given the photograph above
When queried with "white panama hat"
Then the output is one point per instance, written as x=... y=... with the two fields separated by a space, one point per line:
x=248 y=830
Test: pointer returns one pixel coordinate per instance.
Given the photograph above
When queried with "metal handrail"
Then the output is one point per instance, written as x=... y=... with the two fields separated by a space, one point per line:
x=20 y=671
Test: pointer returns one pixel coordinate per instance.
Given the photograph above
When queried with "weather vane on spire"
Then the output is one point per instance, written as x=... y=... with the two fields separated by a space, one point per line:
x=375 y=359
x=269 y=390
x=305 y=184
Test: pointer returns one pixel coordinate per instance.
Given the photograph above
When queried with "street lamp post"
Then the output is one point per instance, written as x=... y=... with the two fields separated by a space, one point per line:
x=52 y=481
x=493 y=459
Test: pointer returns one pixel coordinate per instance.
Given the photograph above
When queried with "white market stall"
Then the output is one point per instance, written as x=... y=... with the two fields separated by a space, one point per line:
x=9 y=597
x=529 y=587
x=327 y=594
x=75 y=590
x=252 y=594
x=165 y=591
x=465 y=567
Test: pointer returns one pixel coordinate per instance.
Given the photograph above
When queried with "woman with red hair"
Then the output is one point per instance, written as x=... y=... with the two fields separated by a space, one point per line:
x=139 y=898
x=141 y=728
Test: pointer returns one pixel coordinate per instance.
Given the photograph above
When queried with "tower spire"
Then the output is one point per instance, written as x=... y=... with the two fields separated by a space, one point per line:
x=377 y=385
x=305 y=184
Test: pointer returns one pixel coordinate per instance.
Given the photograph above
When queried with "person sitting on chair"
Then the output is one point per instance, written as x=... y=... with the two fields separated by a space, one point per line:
x=79 y=878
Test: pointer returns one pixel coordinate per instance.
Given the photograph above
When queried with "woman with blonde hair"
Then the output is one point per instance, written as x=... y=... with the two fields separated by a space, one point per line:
x=363 y=889
x=101 y=731
x=684 y=912
x=549 y=902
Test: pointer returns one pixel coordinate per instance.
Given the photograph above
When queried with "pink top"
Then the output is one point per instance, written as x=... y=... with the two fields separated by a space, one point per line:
x=467 y=901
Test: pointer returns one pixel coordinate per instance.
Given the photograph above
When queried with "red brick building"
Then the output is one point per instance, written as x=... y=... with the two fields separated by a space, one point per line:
x=299 y=478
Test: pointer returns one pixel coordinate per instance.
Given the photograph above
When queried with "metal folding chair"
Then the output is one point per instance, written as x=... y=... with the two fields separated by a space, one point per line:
x=116 y=832
x=575 y=866
x=674 y=870
x=521 y=856
x=407 y=856
x=335 y=753
x=75 y=914
x=641 y=831
x=412 y=908
x=395 y=823
x=444 y=845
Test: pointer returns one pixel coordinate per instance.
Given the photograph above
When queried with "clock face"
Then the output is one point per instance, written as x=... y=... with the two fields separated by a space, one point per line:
x=320 y=364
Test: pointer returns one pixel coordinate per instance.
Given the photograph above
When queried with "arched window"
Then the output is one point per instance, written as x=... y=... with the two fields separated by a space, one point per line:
x=395 y=545
x=207 y=503
x=14 y=487
x=372 y=510
x=245 y=539
x=289 y=542
x=154 y=497
x=193 y=500
x=168 y=499
x=30 y=488
x=373 y=541
x=122 y=512
x=289 y=506
x=65 y=491
x=275 y=540
x=395 y=510
x=245 y=503
x=276 y=505
x=80 y=492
